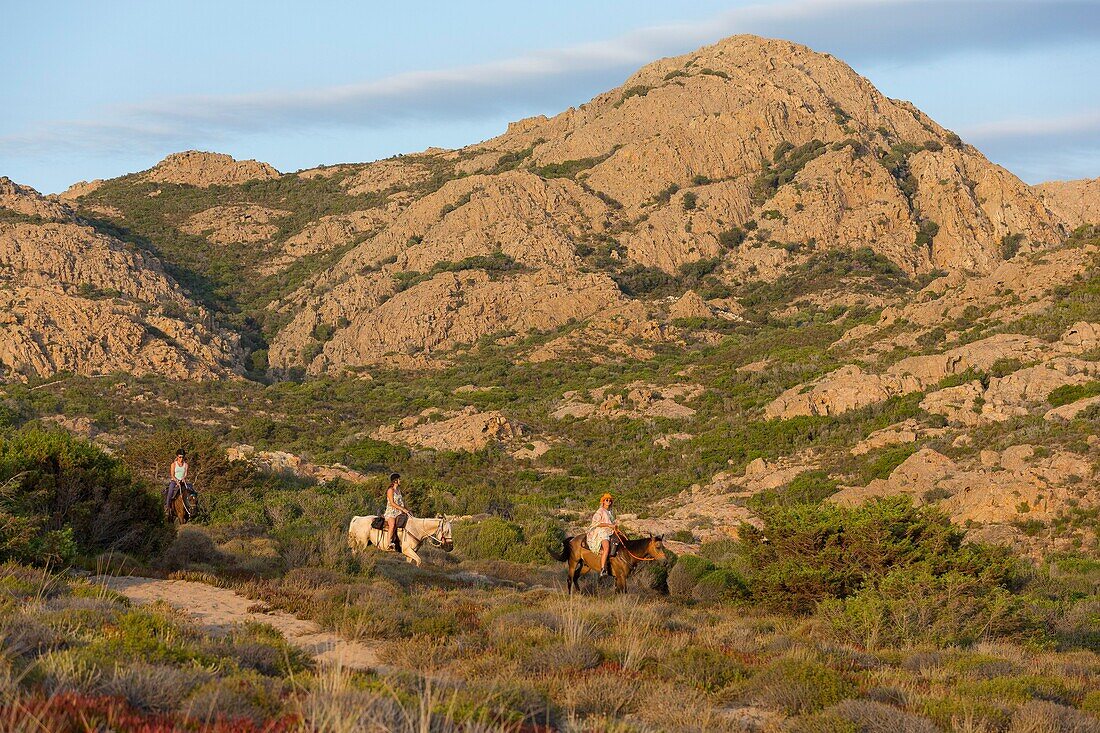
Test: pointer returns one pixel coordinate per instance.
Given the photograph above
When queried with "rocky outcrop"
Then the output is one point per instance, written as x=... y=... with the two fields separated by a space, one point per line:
x=283 y=462
x=850 y=387
x=714 y=120
x=465 y=430
x=202 y=170
x=72 y=299
x=79 y=189
x=899 y=434
x=247 y=224
x=372 y=320
x=690 y=305
x=636 y=400
x=386 y=175
x=1016 y=484
x=1022 y=286
x=625 y=331
x=1075 y=202
x=26 y=201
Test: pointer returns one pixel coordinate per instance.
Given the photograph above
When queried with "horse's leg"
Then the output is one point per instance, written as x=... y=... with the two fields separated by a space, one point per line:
x=620 y=573
x=570 y=566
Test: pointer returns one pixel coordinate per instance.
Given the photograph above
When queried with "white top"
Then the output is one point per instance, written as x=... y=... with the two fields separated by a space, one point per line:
x=597 y=534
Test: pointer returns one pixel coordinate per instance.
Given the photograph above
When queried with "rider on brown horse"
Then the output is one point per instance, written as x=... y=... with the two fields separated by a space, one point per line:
x=601 y=531
x=179 y=487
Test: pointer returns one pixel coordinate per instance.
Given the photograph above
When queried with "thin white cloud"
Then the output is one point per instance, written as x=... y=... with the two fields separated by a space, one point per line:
x=854 y=30
x=1042 y=148
x=1082 y=125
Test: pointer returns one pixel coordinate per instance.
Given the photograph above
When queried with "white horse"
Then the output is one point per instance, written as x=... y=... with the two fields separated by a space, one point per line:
x=415 y=532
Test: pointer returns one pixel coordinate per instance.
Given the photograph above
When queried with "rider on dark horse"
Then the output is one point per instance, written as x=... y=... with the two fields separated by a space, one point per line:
x=178 y=485
x=601 y=531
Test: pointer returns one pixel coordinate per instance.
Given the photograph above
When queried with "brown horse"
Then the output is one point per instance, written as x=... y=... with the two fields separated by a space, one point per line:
x=180 y=511
x=579 y=559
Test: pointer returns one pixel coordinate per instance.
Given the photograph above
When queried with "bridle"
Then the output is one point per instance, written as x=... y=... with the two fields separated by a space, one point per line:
x=622 y=537
x=441 y=540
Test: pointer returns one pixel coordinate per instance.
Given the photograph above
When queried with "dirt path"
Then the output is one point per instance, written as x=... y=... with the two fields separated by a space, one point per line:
x=217 y=609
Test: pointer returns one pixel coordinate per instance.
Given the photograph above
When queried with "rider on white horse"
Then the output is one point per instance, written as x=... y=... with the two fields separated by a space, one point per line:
x=395 y=507
x=364 y=532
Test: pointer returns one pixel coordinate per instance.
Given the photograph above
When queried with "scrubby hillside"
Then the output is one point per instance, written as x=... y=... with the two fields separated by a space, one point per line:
x=74 y=298
x=742 y=278
x=734 y=164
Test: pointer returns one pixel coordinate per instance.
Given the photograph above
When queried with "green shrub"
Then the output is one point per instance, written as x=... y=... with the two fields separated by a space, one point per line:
x=912 y=606
x=951 y=713
x=689 y=200
x=494 y=538
x=1010 y=245
x=809 y=487
x=883 y=462
x=720 y=584
x=797 y=686
x=785 y=165
x=732 y=238
x=927 y=232
x=640 y=280
x=638 y=90
x=63 y=495
x=1069 y=393
x=1019 y=688
x=368 y=454
x=704 y=668
x=685 y=574
x=693 y=272
x=862 y=715
x=807 y=553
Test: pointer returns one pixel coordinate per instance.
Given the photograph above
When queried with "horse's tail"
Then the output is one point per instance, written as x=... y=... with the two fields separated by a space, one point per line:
x=564 y=554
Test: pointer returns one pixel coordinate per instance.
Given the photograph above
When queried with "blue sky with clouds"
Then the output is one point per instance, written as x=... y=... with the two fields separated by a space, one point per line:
x=95 y=90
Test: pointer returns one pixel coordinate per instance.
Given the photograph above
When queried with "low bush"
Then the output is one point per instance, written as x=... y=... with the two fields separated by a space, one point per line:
x=703 y=667
x=864 y=715
x=1070 y=393
x=912 y=606
x=63 y=495
x=796 y=686
x=805 y=553
x=685 y=575
x=493 y=538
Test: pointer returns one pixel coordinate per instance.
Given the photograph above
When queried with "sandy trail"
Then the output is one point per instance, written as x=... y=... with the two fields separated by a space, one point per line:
x=217 y=609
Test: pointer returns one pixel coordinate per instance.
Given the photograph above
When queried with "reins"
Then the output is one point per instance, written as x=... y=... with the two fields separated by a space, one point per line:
x=437 y=541
x=621 y=536
x=440 y=541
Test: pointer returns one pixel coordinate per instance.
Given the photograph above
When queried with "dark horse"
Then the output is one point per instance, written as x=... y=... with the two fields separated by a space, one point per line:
x=184 y=506
x=579 y=559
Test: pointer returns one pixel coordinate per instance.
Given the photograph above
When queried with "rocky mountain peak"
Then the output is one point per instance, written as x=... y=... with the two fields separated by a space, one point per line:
x=25 y=200
x=202 y=169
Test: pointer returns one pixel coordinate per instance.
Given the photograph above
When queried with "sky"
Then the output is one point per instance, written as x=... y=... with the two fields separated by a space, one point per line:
x=97 y=90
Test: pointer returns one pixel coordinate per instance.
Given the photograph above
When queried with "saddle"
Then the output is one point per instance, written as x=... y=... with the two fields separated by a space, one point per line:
x=380 y=522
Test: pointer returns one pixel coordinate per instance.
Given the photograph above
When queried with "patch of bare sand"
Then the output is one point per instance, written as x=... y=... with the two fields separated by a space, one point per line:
x=217 y=609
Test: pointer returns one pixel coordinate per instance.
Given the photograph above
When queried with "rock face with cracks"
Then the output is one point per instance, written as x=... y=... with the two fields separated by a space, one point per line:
x=666 y=166
x=72 y=299
x=200 y=169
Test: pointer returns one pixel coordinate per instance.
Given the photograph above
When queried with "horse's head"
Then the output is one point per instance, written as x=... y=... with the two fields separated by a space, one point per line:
x=657 y=547
x=446 y=539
